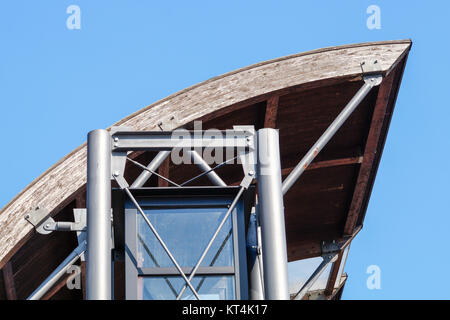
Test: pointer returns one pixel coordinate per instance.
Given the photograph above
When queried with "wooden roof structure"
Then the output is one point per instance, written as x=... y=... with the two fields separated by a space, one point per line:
x=299 y=94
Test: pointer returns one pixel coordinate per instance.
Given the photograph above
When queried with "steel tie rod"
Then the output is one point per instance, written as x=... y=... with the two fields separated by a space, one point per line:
x=208 y=171
x=227 y=214
x=329 y=133
x=138 y=207
x=58 y=272
x=153 y=172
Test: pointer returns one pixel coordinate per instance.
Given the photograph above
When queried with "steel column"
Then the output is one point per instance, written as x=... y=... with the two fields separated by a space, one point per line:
x=256 y=289
x=271 y=217
x=328 y=134
x=98 y=205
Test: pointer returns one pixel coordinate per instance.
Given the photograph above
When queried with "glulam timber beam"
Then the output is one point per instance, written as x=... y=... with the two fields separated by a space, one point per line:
x=8 y=279
x=326 y=164
x=163 y=170
x=270 y=118
x=374 y=147
x=333 y=274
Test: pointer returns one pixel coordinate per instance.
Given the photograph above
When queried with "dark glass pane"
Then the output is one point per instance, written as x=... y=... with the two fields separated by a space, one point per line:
x=167 y=288
x=186 y=232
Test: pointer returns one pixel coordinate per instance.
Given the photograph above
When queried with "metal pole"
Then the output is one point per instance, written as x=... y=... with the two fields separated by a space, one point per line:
x=326 y=136
x=256 y=290
x=204 y=166
x=271 y=211
x=153 y=166
x=58 y=272
x=98 y=205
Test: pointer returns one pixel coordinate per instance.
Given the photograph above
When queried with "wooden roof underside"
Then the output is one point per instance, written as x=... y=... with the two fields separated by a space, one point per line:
x=300 y=95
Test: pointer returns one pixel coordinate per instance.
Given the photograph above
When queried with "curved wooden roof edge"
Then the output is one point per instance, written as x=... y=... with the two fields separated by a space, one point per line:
x=59 y=184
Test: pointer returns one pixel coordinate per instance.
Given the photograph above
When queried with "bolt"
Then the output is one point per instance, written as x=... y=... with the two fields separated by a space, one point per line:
x=116 y=173
x=251 y=173
x=47 y=226
x=116 y=139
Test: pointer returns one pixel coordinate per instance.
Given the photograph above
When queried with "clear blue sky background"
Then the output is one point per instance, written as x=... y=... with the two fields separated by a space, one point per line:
x=57 y=84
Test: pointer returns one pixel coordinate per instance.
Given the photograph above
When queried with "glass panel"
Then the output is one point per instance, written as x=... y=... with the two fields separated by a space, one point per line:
x=186 y=232
x=167 y=288
x=321 y=282
x=299 y=271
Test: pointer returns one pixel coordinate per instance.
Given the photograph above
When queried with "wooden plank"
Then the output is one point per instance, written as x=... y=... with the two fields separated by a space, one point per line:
x=326 y=164
x=270 y=119
x=83 y=278
x=370 y=151
x=80 y=199
x=8 y=279
x=57 y=186
x=399 y=75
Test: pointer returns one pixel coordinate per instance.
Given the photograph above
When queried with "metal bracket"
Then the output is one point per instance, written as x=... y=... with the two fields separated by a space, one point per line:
x=330 y=247
x=370 y=67
x=38 y=218
x=372 y=73
x=248 y=158
x=118 y=158
x=44 y=224
x=63 y=226
x=80 y=217
x=373 y=79
x=330 y=250
x=169 y=123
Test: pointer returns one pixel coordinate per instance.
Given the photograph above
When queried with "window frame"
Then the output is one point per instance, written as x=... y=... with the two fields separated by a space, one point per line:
x=195 y=199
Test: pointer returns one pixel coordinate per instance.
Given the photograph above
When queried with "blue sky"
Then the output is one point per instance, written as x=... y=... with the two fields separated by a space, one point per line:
x=57 y=84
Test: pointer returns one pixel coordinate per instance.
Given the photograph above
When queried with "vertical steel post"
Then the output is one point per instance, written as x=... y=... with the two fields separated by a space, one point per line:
x=271 y=212
x=256 y=289
x=98 y=205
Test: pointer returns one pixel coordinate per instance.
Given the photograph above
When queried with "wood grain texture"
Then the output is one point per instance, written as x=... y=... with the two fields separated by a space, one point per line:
x=370 y=152
x=8 y=280
x=59 y=185
x=270 y=118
